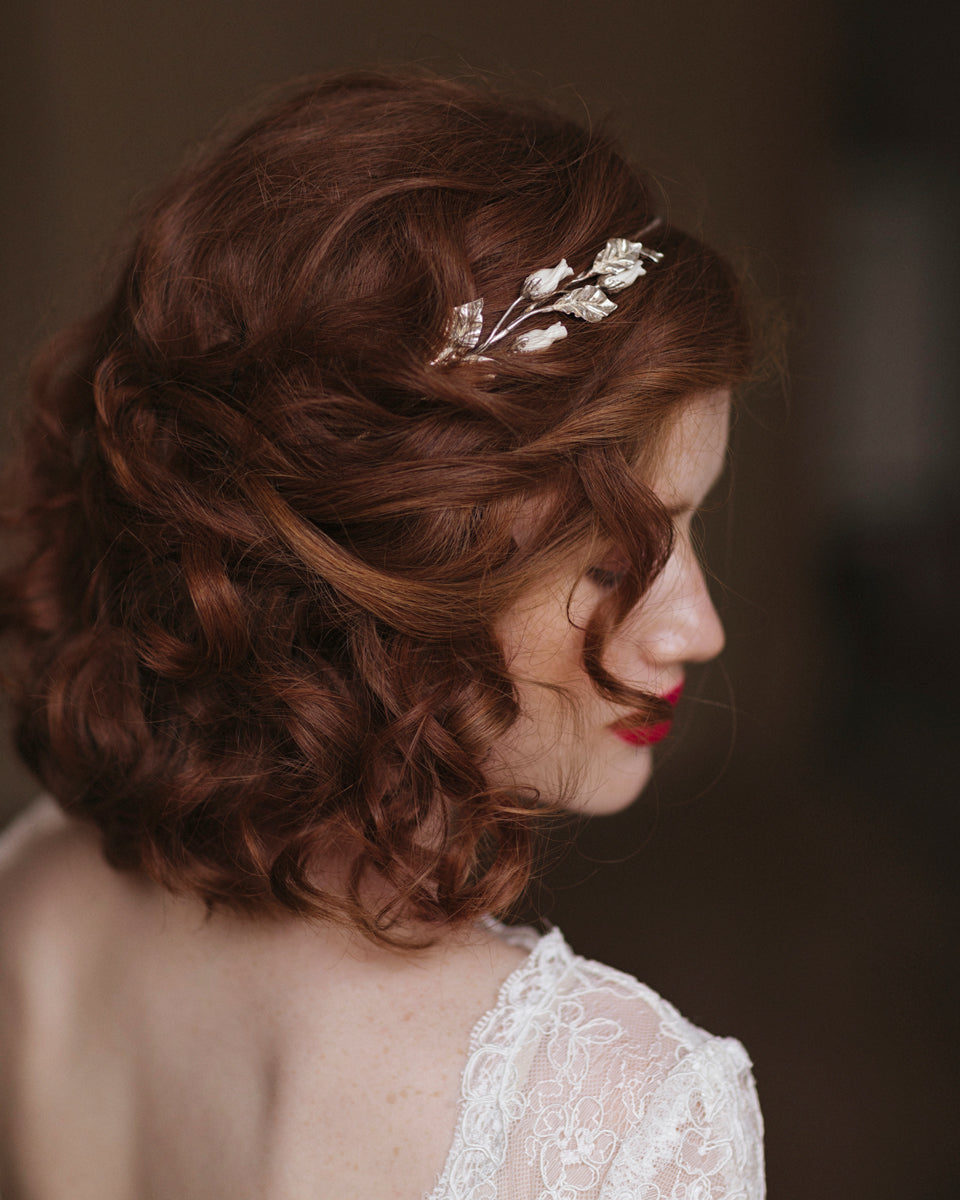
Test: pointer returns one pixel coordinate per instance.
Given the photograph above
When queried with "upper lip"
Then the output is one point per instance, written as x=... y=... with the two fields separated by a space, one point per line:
x=638 y=720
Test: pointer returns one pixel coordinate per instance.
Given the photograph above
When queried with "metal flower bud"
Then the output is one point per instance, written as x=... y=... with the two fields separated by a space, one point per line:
x=618 y=280
x=546 y=281
x=540 y=339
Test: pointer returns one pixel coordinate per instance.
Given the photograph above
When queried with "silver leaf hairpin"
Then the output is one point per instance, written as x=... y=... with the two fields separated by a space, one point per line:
x=550 y=290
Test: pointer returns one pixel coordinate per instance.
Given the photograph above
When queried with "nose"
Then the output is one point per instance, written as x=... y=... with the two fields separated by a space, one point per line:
x=678 y=620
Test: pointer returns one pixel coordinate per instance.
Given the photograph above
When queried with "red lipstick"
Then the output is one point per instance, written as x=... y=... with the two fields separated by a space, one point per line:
x=649 y=735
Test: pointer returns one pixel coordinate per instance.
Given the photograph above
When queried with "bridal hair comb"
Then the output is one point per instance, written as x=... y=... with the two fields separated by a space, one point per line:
x=619 y=264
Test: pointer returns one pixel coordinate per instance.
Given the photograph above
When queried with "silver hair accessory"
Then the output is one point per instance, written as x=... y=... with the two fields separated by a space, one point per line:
x=617 y=266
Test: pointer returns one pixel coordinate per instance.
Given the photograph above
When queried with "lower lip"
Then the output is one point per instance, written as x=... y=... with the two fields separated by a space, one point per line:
x=649 y=735
x=646 y=735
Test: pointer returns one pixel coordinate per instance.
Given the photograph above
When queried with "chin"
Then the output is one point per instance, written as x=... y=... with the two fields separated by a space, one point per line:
x=616 y=790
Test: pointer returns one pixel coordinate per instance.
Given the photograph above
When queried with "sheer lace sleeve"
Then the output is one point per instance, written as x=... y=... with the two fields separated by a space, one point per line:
x=583 y=1084
x=701 y=1137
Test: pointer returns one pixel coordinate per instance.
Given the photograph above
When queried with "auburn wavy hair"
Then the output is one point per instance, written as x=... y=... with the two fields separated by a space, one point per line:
x=259 y=543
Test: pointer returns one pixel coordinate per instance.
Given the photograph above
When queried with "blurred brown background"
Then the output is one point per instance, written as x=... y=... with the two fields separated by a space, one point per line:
x=791 y=877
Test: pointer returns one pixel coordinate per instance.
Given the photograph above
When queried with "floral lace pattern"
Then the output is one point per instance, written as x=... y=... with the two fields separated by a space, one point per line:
x=583 y=1084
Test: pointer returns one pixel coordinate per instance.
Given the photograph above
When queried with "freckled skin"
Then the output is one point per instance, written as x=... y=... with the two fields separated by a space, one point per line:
x=674 y=624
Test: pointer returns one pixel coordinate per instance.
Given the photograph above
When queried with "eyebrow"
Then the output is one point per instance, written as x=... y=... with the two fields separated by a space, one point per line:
x=677 y=510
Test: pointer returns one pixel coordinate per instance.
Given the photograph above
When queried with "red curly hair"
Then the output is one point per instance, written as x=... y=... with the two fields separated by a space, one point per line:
x=261 y=542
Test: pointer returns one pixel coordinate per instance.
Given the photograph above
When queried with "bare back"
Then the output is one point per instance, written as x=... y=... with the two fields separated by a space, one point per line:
x=148 y=1052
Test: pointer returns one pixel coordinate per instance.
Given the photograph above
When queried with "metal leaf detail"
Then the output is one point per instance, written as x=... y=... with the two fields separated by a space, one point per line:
x=588 y=303
x=617 y=255
x=466 y=324
x=463 y=331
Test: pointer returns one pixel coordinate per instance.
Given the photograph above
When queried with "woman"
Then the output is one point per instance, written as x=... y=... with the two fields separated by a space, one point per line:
x=354 y=544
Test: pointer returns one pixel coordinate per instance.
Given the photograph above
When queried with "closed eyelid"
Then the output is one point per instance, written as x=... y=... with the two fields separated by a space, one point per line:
x=609 y=572
x=607 y=576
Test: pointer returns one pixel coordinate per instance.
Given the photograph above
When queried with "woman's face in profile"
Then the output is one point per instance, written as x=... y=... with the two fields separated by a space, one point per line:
x=592 y=746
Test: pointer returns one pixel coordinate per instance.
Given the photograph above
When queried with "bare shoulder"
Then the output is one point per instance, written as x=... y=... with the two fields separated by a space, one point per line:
x=53 y=879
x=57 y=894
x=41 y=830
x=59 y=906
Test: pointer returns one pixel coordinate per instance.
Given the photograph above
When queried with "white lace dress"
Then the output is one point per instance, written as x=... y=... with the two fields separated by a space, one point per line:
x=582 y=1084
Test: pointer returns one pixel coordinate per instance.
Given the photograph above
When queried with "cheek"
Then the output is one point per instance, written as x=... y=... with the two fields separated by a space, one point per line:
x=541 y=645
x=554 y=694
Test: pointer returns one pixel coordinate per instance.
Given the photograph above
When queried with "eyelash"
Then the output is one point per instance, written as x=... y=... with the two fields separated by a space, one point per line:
x=606 y=579
x=609 y=578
